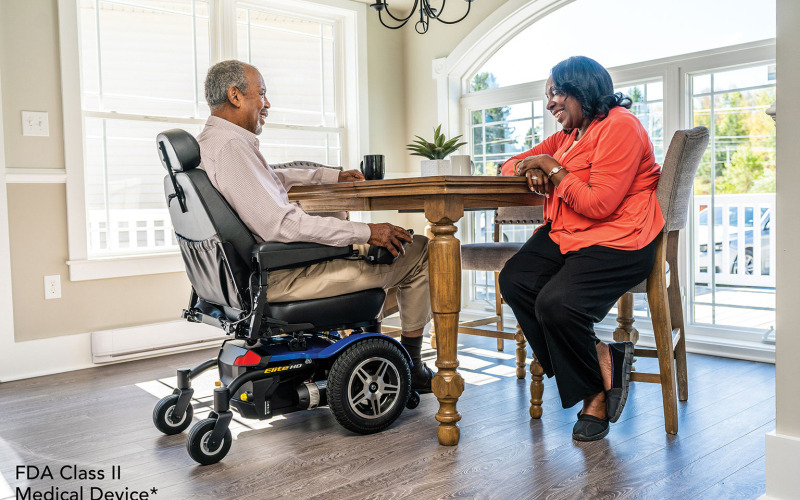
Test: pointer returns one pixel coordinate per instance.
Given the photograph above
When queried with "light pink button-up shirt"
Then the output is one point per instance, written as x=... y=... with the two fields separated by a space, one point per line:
x=238 y=170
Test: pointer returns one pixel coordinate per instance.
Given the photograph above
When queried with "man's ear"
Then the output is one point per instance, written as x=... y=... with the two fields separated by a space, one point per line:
x=235 y=97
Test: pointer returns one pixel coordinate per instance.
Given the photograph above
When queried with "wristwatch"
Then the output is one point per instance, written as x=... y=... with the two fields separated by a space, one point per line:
x=555 y=171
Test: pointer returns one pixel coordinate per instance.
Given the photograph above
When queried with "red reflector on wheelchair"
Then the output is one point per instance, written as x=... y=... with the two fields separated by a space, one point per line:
x=251 y=358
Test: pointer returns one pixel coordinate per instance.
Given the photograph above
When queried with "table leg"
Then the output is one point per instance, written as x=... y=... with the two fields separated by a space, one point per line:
x=445 y=283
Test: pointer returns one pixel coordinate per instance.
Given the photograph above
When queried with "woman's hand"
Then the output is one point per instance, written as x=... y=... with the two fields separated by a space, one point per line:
x=535 y=168
x=537 y=181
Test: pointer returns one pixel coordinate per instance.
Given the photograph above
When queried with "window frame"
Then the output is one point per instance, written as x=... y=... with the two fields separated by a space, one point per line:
x=351 y=98
x=675 y=73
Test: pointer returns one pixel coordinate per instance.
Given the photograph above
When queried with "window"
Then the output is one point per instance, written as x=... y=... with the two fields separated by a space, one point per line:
x=648 y=106
x=735 y=182
x=299 y=57
x=142 y=69
x=124 y=86
x=497 y=134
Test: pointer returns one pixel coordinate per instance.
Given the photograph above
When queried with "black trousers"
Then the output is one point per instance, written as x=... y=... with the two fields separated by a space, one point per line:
x=557 y=299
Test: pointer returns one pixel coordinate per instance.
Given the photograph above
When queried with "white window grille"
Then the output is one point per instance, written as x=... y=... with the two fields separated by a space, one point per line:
x=142 y=65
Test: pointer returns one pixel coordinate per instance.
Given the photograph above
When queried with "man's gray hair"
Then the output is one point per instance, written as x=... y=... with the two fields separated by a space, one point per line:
x=220 y=78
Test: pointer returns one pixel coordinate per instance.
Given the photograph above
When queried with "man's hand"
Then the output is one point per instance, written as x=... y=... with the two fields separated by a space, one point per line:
x=388 y=236
x=350 y=176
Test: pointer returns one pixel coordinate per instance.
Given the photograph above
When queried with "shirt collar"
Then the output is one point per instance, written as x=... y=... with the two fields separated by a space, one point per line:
x=215 y=121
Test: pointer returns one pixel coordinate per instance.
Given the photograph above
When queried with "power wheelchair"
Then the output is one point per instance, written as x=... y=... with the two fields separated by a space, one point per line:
x=281 y=357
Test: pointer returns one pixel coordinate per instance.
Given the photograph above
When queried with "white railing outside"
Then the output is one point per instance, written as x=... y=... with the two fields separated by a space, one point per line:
x=748 y=218
x=130 y=231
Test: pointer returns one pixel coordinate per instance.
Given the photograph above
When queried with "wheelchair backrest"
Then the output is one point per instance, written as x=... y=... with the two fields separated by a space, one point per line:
x=214 y=242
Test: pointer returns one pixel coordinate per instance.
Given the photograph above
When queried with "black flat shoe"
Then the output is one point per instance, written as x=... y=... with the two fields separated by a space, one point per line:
x=589 y=428
x=421 y=377
x=621 y=363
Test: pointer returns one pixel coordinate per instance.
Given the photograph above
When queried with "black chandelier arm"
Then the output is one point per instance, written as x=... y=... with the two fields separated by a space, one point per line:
x=469 y=6
x=402 y=23
x=430 y=11
x=405 y=20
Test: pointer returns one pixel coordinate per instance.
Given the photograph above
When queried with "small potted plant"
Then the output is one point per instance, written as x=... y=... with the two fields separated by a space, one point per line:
x=435 y=152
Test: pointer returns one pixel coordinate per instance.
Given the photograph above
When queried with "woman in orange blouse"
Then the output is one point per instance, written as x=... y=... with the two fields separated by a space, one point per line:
x=599 y=177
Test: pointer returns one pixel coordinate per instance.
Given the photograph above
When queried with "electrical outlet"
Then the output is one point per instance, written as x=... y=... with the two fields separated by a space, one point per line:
x=52 y=287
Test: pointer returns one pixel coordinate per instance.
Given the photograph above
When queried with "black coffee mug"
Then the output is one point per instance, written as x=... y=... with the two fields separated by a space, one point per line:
x=373 y=167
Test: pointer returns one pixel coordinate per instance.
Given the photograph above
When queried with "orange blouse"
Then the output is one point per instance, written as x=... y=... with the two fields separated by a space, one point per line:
x=609 y=196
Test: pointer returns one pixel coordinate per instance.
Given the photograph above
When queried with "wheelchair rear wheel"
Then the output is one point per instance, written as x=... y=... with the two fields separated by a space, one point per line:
x=369 y=385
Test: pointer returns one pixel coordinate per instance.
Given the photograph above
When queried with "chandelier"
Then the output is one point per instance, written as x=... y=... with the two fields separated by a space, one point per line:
x=426 y=13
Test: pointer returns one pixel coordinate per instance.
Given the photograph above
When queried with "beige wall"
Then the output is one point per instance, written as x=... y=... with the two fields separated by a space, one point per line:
x=39 y=248
x=421 y=50
x=31 y=81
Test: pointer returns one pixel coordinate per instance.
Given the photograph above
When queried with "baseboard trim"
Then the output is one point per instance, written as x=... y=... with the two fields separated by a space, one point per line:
x=712 y=346
x=697 y=344
x=86 y=350
x=53 y=355
x=122 y=344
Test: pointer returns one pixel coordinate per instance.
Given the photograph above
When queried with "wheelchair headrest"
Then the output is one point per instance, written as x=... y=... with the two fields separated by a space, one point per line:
x=182 y=150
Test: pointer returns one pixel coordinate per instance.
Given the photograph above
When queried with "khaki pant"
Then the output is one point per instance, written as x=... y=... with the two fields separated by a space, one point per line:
x=406 y=282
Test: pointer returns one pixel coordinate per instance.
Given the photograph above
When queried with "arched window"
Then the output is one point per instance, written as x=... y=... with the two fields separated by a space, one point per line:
x=621 y=32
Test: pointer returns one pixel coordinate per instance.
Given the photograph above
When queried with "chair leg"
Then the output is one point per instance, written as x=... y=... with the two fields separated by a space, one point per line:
x=499 y=311
x=519 y=337
x=676 y=316
x=662 y=330
x=537 y=388
x=625 y=332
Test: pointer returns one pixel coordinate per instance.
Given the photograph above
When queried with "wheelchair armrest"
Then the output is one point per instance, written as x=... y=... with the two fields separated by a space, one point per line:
x=271 y=256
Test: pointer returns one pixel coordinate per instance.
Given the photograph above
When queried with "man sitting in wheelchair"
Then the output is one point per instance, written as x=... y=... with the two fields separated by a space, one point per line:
x=236 y=94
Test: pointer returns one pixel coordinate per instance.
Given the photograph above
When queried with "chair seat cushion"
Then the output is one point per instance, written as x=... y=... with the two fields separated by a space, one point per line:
x=487 y=256
x=332 y=312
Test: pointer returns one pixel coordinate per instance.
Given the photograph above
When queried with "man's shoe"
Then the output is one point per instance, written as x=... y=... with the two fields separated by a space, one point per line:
x=589 y=428
x=621 y=363
x=421 y=377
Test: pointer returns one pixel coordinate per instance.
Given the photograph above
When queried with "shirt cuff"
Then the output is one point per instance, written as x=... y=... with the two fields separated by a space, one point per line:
x=330 y=175
x=362 y=232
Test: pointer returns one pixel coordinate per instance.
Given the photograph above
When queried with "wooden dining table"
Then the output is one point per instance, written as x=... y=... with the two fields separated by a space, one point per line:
x=443 y=199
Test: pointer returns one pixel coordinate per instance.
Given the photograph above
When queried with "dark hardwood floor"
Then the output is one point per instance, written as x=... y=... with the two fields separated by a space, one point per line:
x=99 y=418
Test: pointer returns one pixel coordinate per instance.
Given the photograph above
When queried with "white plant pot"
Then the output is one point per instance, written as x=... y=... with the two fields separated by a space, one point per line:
x=436 y=167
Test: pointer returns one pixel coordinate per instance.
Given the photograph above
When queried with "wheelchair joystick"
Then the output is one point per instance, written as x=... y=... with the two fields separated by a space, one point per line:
x=381 y=255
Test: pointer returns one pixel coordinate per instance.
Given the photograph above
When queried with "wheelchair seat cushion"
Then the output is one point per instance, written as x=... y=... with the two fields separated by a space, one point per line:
x=331 y=313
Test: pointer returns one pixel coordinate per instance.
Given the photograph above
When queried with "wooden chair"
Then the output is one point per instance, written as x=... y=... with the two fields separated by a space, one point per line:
x=492 y=256
x=674 y=190
x=662 y=287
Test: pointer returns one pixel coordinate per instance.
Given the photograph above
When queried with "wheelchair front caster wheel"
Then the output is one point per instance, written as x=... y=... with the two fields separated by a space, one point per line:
x=162 y=416
x=197 y=444
x=413 y=400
